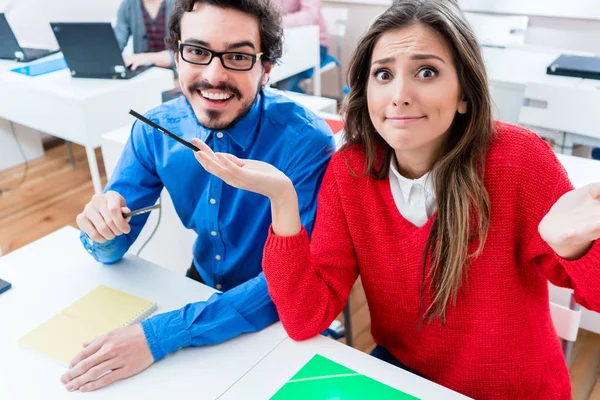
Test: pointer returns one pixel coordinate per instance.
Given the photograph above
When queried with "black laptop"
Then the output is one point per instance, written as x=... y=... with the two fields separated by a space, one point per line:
x=91 y=50
x=575 y=66
x=10 y=49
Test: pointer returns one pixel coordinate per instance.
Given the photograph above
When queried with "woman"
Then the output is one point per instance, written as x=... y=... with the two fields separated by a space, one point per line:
x=301 y=13
x=455 y=223
x=146 y=21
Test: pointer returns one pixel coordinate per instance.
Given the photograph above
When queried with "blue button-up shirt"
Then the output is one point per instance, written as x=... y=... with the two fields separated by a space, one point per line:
x=275 y=130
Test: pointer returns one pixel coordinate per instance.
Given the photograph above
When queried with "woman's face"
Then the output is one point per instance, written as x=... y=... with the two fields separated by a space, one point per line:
x=413 y=91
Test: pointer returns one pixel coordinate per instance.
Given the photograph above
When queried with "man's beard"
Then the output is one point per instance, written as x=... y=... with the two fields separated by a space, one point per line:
x=214 y=116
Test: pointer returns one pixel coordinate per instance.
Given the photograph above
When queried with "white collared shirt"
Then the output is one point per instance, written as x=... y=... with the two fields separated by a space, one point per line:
x=415 y=198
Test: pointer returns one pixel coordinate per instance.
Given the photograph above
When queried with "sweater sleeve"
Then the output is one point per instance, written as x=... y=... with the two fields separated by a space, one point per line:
x=544 y=181
x=309 y=282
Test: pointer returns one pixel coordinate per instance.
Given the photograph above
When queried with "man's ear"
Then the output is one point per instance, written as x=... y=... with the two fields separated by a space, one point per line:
x=267 y=75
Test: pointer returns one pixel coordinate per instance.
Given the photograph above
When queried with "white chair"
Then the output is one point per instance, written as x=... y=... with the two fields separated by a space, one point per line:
x=498 y=30
x=336 y=19
x=570 y=111
x=566 y=322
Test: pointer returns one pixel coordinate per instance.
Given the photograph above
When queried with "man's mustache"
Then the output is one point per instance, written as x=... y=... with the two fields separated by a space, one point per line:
x=225 y=87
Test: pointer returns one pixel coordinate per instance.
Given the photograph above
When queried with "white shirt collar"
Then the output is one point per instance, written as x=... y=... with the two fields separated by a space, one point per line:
x=406 y=184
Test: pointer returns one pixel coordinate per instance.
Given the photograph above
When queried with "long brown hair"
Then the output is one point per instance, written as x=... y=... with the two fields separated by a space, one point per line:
x=463 y=208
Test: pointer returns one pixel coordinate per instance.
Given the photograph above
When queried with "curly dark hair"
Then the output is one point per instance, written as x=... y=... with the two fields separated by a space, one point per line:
x=268 y=17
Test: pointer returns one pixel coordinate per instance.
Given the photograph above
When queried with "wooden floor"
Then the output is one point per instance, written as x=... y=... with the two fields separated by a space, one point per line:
x=54 y=193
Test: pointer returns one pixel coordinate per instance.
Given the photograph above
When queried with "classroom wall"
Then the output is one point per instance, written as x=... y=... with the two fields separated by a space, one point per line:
x=565 y=33
x=30 y=19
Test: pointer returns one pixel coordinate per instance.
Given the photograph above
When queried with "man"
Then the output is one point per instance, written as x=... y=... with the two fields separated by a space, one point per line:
x=224 y=57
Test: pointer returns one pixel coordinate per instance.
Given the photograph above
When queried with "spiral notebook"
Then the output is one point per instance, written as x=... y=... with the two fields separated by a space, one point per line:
x=98 y=312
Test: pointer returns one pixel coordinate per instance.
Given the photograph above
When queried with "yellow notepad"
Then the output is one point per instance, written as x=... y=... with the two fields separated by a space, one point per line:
x=98 y=312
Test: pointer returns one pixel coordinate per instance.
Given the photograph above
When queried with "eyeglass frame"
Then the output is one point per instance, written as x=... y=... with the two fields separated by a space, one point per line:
x=255 y=57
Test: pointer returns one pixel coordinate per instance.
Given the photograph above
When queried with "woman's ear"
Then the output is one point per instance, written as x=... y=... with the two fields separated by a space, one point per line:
x=463 y=106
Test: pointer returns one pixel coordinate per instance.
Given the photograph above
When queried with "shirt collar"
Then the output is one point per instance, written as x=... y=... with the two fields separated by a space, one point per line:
x=405 y=184
x=244 y=131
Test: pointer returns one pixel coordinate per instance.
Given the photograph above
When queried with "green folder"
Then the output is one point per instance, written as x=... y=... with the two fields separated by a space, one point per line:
x=323 y=379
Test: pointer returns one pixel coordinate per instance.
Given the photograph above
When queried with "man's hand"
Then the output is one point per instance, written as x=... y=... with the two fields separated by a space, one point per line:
x=102 y=218
x=122 y=353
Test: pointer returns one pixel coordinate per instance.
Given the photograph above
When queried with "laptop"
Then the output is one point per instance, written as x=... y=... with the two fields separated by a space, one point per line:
x=10 y=49
x=575 y=66
x=92 y=51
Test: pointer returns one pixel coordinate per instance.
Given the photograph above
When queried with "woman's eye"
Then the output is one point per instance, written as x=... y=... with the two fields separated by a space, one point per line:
x=427 y=73
x=383 y=75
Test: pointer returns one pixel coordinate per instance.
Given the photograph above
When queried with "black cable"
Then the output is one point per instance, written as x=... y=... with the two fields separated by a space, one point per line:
x=2 y=191
x=155 y=227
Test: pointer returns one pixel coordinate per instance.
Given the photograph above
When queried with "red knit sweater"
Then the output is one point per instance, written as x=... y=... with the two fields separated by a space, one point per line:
x=499 y=341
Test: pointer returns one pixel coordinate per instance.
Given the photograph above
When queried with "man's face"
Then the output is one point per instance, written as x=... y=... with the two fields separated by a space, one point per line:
x=220 y=96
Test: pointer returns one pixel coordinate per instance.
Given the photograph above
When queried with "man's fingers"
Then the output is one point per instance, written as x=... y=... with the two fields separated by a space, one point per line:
x=237 y=161
x=89 y=349
x=85 y=365
x=114 y=207
x=228 y=162
x=204 y=148
x=209 y=164
x=90 y=375
x=106 y=380
x=98 y=220
x=108 y=219
x=86 y=225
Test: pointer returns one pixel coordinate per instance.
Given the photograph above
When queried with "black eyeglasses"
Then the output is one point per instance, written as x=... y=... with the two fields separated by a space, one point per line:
x=229 y=60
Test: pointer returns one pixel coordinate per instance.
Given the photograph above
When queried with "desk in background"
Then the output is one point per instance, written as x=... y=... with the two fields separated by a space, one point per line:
x=301 y=51
x=29 y=140
x=509 y=70
x=78 y=110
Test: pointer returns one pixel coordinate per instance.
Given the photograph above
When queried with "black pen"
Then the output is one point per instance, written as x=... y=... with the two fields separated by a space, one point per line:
x=163 y=130
x=141 y=211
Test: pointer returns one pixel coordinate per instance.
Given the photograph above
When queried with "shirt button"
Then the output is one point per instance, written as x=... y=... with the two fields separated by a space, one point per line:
x=218 y=286
x=213 y=233
x=213 y=201
x=220 y=135
x=217 y=257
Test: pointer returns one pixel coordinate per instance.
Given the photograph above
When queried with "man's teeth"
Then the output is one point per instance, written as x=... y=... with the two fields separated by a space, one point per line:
x=216 y=96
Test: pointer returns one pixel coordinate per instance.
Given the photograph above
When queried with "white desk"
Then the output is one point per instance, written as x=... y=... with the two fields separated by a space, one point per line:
x=264 y=380
x=78 y=110
x=301 y=51
x=510 y=69
x=29 y=140
x=52 y=272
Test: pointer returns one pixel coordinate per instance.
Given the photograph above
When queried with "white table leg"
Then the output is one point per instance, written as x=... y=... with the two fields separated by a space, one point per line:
x=317 y=80
x=568 y=145
x=91 y=156
x=566 y=345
